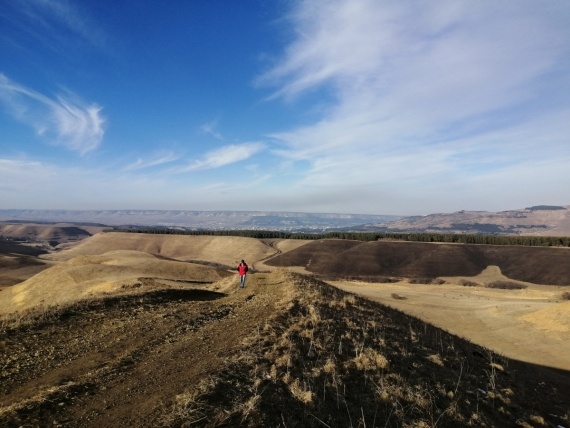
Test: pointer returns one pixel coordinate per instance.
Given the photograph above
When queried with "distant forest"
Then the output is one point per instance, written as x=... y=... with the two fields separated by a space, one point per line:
x=530 y=241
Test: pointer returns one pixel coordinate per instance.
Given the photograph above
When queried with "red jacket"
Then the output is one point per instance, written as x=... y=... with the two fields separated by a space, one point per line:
x=242 y=269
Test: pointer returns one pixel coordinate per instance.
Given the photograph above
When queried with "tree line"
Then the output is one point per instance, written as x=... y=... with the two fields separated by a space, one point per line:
x=531 y=241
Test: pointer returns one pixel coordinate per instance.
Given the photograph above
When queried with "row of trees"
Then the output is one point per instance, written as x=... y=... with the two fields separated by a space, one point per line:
x=533 y=241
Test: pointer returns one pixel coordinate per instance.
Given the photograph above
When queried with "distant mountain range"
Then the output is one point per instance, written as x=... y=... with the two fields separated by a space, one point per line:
x=210 y=220
x=540 y=220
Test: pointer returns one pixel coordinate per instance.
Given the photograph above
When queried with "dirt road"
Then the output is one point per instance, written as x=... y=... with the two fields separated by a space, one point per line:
x=117 y=362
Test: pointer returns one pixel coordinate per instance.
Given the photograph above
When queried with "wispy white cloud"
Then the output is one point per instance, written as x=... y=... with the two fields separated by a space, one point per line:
x=224 y=156
x=211 y=128
x=65 y=120
x=161 y=158
x=50 y=22
x=424 y=92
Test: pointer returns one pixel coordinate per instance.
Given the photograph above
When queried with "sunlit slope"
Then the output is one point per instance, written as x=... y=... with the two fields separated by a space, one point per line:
x=38 y=232
x=555 y=319
x=226 y=250
x=92 y=276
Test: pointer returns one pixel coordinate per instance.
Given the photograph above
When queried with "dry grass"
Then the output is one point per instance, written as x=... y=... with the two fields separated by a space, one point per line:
x=333 y=359
x=319 y=357
x=89 y=277
x=225 y=250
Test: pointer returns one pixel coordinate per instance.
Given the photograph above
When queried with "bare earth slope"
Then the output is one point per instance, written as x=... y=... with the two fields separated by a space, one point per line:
x=285 y=351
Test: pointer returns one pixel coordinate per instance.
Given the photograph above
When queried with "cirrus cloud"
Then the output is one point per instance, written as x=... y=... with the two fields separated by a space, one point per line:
x=64 y=120
x=223 y=156
x=421 y=94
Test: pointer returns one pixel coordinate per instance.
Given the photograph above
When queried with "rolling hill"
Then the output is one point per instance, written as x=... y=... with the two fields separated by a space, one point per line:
x=227 y=251
x=91 y=277
x=343 y=258
x=130 y=330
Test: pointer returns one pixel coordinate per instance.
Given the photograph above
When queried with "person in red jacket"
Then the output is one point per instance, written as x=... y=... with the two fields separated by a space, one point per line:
x=242 y=271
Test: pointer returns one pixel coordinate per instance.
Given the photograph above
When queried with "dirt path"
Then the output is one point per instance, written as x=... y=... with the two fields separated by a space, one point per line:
x=139 y=354
x=280 y=246
x=490 y=318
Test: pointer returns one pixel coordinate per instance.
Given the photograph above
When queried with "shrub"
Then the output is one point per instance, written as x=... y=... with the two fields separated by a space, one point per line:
x=566 y=295
x=436 y=281
x=369 y=278
x=506 y=285
x=468 y=283
x=379 y=279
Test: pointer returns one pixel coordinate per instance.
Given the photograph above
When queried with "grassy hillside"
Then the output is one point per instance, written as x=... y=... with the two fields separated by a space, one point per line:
x=219 y=249
x=288 y=351
x=88 y=277
x=342 y=258
x=53 y=233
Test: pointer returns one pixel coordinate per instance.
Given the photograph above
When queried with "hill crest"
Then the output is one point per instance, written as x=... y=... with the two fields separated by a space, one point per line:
x=288 y=350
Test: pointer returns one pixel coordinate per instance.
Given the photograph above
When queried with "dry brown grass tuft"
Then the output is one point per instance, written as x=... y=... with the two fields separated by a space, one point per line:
x=369 y=359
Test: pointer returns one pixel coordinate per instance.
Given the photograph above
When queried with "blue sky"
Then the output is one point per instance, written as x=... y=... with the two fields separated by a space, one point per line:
x=356 y=106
